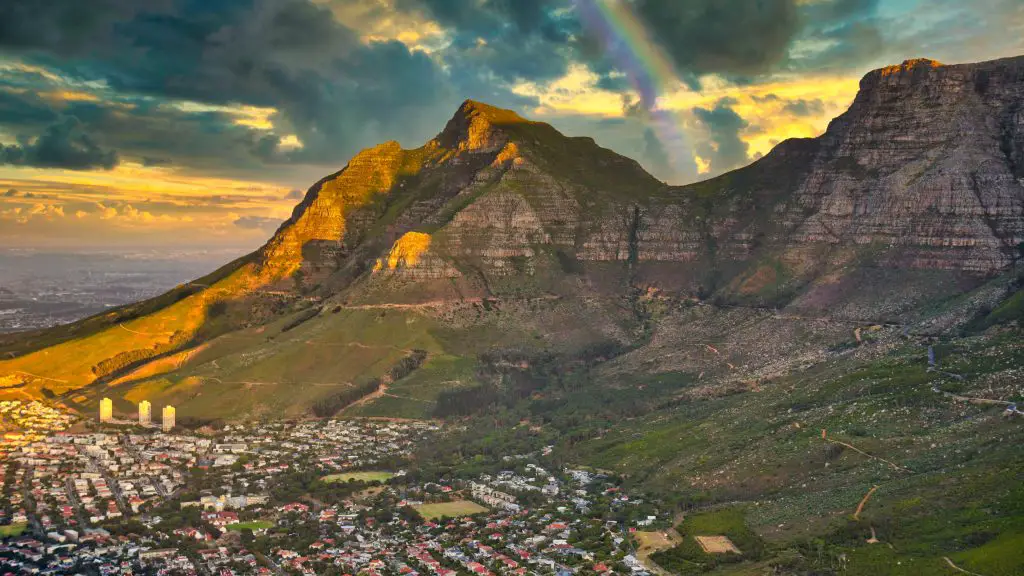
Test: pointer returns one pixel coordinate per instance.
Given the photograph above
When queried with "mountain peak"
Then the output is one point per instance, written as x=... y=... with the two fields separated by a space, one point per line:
x=475 y=109
x=476 y=127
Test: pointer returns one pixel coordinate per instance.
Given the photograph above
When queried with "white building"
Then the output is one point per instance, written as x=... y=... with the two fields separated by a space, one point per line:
x=106 y=410
x=168 y=418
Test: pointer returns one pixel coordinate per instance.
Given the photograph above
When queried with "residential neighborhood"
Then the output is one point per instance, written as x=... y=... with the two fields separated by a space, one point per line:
x=303 y=497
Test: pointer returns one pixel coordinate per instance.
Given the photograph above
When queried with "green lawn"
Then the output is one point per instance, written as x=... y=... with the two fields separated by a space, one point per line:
x=12 y=530
x=256 y=525
x=449 y=509
x=368 y=476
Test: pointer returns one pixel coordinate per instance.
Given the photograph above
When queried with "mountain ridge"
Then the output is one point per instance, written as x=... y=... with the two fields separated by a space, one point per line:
x=813 y=356
x=885 y=212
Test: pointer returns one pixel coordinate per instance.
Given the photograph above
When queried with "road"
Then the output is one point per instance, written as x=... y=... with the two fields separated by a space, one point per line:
x=269 y=562
x=69 y=486
x=115 y=488
x=30 y=504
x=134 y=451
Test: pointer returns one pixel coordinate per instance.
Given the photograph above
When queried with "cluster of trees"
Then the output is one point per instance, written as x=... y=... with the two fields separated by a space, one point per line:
x=689 y=558
x=121 y=361
x=509 y=377
x=299 y=319
x=330 y=405
x=129 y=358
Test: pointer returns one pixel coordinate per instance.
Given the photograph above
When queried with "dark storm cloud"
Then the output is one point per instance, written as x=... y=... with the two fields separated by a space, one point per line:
x=503 y=40
x=803 y=107
x=62 y=145
x=64 y=26
x=210 y=140
x=152 y=161
x=23 y=108
x=735 y=38
x=329 y=88
x=745 y=39
x=723 y=147
x=797 y=107
x=257 y=223
x=850 y=30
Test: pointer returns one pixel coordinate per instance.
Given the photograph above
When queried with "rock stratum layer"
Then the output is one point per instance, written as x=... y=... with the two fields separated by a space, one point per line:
x=923 y=172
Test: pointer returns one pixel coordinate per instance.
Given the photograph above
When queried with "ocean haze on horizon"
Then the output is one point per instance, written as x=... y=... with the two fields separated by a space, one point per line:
x=43 y=288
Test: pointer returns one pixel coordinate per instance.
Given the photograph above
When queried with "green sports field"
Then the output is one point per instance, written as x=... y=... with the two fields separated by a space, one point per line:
x=12 y=530
x=368 y=476
x=256 y=525
x=449 y=509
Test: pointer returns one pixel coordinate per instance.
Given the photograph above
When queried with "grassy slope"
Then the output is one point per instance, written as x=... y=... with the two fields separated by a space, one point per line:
x=21 y=343
x=960 y=497
x=266 y=371
x=949 y=472
x=69 y=364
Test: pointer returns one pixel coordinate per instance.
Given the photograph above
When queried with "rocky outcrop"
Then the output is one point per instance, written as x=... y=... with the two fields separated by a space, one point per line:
x=925 y=171
x=925 y=161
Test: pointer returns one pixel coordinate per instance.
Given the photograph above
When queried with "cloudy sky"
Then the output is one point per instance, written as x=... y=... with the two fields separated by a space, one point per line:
x=172 y=123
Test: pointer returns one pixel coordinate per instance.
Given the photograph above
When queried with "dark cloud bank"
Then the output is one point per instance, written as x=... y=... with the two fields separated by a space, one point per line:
x=338 y=94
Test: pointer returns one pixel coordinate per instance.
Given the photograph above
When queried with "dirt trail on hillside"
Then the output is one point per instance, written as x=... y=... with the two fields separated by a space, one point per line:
x=127 y=329
x=860 y=507
x=421 y=400
x=824 y=436
x=440 y=303
x=379 y=392
x=957 y=568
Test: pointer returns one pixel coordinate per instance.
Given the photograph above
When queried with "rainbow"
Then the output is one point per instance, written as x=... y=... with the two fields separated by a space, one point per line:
x=647 y=67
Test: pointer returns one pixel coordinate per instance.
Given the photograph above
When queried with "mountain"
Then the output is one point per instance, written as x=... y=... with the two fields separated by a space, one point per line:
x=502 y=236
x=817 y=355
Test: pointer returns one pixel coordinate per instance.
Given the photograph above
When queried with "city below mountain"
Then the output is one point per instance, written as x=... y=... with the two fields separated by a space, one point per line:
x=825 y=344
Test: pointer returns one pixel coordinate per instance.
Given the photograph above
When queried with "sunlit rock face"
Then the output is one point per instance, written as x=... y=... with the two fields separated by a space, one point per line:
x=411 y=258
x=925 y=171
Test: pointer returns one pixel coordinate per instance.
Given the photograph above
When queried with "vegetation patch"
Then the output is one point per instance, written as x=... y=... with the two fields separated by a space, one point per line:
x=254 y=525
x=330 y=405
x=709 y=539
x=454 y=509
x=302 y=317
x=367 y=476
x=13 y=530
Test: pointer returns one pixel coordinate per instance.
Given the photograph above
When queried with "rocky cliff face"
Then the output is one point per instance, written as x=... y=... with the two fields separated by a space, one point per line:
x=924 y=172
x=927 y=159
